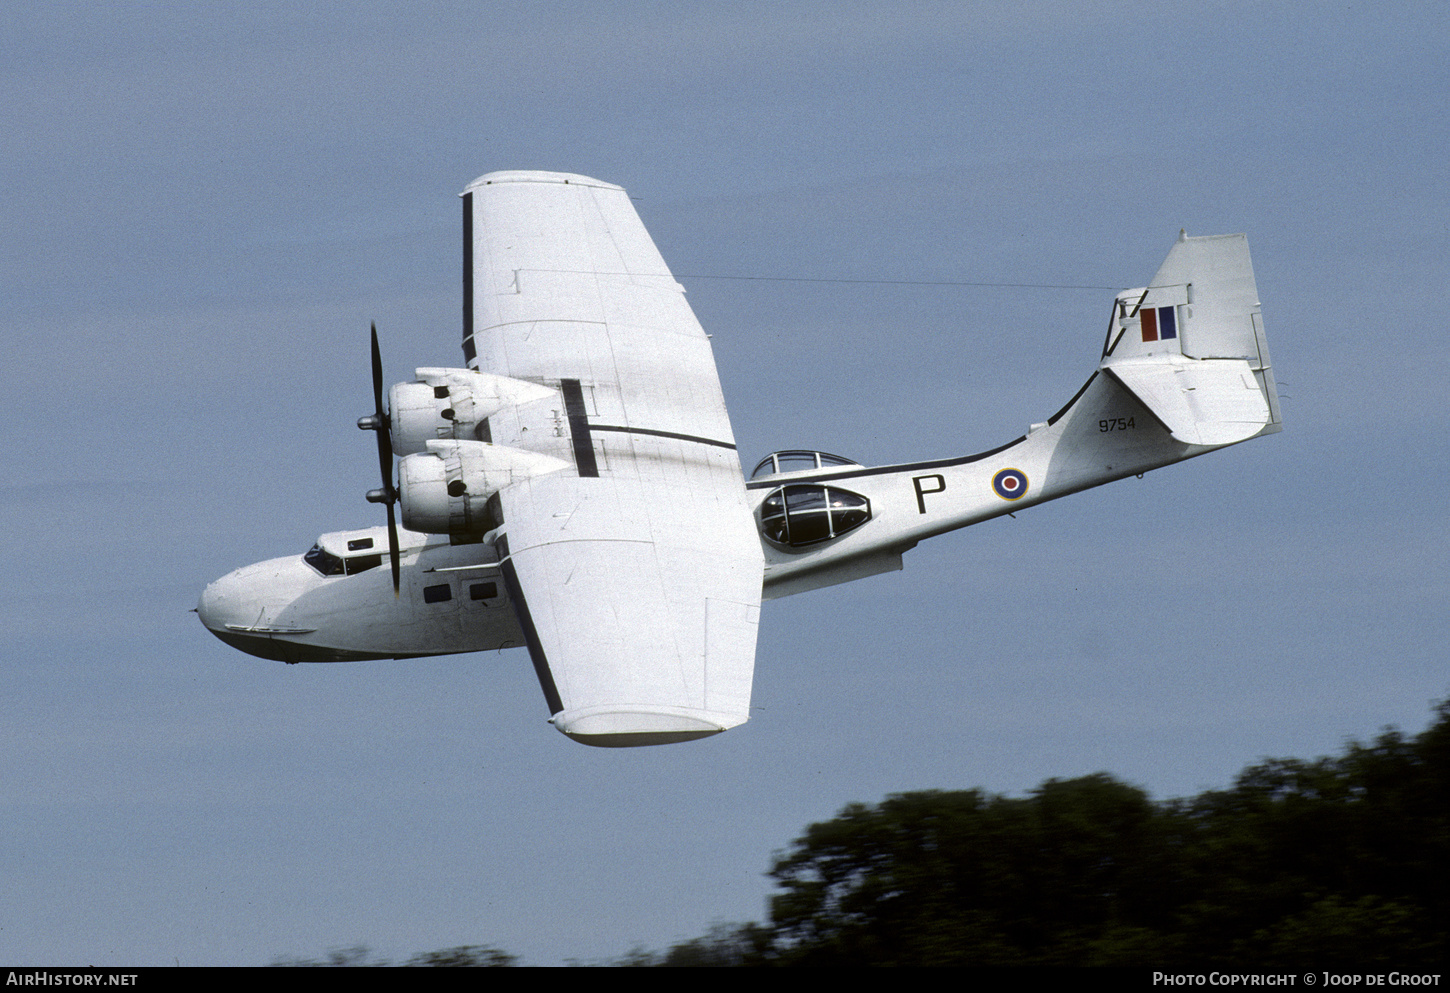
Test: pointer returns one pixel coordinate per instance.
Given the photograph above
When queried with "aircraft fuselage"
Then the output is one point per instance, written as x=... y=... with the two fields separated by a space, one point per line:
x=332 y=606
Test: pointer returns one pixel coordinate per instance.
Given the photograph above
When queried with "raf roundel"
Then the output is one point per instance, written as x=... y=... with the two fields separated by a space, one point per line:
x=1010 y=484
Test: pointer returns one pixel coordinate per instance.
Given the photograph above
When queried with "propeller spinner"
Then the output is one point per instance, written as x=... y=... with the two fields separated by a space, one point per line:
x=388 y=495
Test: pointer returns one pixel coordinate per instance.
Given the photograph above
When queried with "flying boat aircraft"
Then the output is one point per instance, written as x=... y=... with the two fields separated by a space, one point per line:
x=575 y=489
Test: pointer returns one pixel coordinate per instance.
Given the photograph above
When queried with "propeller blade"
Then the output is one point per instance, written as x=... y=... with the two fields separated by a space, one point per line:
x=393 y=548
x=377 y=373
x=383 y=421
x=382 y=424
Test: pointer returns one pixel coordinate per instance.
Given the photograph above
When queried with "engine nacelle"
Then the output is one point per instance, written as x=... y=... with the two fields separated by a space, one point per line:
x=446 y=489
x=452 y=405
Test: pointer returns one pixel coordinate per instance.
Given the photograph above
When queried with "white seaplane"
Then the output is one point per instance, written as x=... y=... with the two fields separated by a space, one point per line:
x=576 y=490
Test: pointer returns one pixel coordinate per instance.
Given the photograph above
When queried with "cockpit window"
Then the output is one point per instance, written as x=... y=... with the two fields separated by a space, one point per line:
x=361 y=563
x=806 y=514
x=328 y=564
x=797 y=461
x=324 y=562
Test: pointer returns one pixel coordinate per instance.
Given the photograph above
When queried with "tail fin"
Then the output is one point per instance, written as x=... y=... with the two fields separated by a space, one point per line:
x=1191 y=345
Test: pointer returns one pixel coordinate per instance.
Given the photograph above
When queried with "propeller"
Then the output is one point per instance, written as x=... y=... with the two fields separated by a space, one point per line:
x=378 y=421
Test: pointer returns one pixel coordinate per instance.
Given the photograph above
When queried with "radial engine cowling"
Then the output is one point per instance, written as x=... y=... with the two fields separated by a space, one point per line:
x=452 y=405
x=445 y=490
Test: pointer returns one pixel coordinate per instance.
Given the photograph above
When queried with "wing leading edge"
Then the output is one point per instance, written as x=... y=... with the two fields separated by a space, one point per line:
x=637 y=572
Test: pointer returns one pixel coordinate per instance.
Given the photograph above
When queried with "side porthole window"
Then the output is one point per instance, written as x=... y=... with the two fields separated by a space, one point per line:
x=807 y=514
x=482 y=591
x=437 y=594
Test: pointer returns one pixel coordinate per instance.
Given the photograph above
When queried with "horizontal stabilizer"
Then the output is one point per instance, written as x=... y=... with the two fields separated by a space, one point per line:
x=1201 y=402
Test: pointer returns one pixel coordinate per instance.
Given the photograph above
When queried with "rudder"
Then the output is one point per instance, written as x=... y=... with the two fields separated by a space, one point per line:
x=1191 y=345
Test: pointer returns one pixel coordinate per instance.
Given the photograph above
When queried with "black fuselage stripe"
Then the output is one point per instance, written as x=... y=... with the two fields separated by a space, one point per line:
x=883 y=470
x=1075 y=398
x=531 y=633
x=663 y=434
x=917 y=466
x=579 y=427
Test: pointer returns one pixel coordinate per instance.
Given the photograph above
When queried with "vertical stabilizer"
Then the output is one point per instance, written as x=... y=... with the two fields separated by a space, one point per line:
x=1191 y=342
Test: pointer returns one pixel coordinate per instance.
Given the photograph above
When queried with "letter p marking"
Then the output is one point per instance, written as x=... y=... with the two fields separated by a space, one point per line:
x=921 y=491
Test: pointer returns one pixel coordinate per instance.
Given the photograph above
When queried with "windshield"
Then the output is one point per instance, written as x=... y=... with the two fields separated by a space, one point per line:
x=324 y=562
x=328 y=564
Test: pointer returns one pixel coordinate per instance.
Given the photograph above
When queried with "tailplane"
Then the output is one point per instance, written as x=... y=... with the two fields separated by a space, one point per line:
x=1191 y=347
x=1184 y=370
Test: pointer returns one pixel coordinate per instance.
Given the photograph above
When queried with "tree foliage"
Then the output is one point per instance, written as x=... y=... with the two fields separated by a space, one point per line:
x=1337 y=862
x=463 y=956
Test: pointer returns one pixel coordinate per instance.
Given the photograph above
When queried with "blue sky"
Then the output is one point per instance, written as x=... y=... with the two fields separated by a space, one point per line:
x=206 y=209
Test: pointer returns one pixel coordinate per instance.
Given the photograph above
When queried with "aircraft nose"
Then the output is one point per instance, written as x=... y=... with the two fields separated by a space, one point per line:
x=238 y=609
x=258 y=610
x=219 y=605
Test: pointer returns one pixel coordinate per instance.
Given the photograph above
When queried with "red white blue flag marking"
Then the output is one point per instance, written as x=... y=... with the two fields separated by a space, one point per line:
x=1159 y=323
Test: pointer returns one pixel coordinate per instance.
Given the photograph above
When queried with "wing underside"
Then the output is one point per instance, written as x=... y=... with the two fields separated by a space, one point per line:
x=636 y=572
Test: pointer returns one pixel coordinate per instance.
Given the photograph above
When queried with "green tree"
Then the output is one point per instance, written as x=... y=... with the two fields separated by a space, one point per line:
x=956 y=878
x=1340 y=861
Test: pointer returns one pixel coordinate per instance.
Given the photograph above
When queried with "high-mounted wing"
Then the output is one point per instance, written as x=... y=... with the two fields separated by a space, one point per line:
x=636 y=572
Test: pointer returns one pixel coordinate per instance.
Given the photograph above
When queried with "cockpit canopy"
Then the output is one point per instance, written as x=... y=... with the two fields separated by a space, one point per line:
x=346 y=553
x=797 y=461
x=808 y=513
